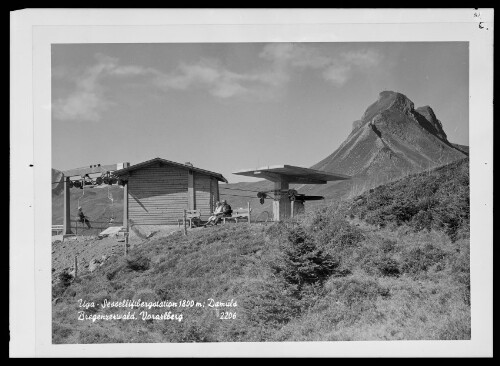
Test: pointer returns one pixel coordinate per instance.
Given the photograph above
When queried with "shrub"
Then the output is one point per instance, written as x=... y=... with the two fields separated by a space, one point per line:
x=277 y=230
x=403 y=211
x=373 y=261
x=422 y=220
x=420 y=259
x=69 y=292
x=138 y=263
x=331 y=231
x=338 y=234
x=65 y=278
x=301 y=262
x=387 y=266
x=427 y=202
x=64 y=281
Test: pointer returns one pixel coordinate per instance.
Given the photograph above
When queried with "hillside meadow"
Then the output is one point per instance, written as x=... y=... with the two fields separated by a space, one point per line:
x=391 y=264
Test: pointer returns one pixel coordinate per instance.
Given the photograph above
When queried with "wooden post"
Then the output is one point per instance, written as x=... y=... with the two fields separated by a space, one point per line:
x=185 y=223
x=126 y=243
x=125 y=205
x=76 y=267
x=213 y=192
x=67 y=217
x=191 y=191
x=217 y=193
x=292 y=203
x=248 y=208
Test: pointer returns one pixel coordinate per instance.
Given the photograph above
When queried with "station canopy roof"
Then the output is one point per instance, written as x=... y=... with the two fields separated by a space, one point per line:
x=293 y=174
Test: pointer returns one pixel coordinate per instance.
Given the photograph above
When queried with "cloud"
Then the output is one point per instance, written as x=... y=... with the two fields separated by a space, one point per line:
x=83 y=105
x=208 y=75
x=89 y=99
x=338 y=74
x=336 y=67
x=362 y=58
x=296 y=55
x=86 y=102
x=348 y=64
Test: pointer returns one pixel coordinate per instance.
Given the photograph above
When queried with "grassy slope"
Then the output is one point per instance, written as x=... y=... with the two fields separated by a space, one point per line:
x=321 y=278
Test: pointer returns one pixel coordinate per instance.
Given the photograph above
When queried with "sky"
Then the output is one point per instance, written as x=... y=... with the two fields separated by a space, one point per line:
x=225 y=107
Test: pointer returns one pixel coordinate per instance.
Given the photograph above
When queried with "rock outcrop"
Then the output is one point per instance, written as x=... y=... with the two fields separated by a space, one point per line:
x=434 y=125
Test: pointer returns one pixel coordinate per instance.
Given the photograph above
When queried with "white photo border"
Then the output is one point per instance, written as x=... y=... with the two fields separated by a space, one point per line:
x=34 y=31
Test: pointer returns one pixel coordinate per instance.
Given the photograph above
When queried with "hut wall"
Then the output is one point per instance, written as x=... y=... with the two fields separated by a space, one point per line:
x=157 y=195
x=214 y=189
x=203 y=194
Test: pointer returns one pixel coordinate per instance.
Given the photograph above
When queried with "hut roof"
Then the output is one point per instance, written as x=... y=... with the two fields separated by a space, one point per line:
x=124 y=171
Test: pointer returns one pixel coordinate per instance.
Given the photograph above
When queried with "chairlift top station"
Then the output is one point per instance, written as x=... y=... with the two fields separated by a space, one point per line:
x=287 y=202
x=83 y=177
x=160 y=189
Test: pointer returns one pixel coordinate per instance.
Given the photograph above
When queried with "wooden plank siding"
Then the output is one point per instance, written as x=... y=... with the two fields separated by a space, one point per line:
x=157 y=195
x=214 y=192
x=203 y=196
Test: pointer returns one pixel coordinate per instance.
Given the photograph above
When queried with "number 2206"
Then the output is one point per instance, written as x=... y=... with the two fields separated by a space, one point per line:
x=227 y=315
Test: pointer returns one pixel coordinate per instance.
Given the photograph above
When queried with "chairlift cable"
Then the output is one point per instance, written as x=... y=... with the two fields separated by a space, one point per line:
x=238 y=189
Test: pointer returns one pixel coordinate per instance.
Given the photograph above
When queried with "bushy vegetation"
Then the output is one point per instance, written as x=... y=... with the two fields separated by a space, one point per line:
x=317 y=278
x=63 y=282
x=437 y=199
x=301 y=262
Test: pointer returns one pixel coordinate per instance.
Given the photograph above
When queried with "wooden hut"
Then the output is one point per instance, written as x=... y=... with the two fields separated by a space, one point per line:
x=158 y=191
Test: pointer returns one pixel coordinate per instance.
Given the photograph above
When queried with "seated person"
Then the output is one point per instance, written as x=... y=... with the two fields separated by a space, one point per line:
x=218 y=213
x=226 y=209
x=82 y=217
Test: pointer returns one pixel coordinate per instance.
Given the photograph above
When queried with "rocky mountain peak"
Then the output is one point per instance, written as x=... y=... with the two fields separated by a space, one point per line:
x=388 y=100
x=392 y=137
x=433 y=124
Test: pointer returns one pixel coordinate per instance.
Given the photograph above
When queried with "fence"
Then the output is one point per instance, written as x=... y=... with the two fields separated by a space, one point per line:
x=80 y=228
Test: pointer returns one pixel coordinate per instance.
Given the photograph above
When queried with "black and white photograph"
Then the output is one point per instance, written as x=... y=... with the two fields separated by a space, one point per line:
x=254 y=190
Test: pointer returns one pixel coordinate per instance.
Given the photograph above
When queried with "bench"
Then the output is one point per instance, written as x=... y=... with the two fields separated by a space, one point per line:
x=193 y=216
x=238 y=214
x=57 y=229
